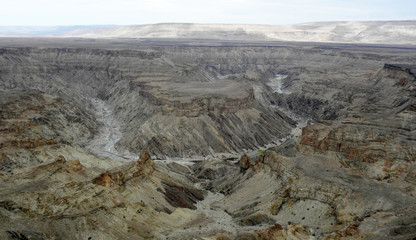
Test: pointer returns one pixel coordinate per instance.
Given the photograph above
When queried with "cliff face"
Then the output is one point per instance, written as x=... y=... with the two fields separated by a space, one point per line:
x=33 y=123
x=362 y=140
x=377 y=137
x=193 y=107
x=350 y=175
x=204 y=99
x=163 y=84
x=201 y=126
x=70 y=191
x=31 y=114
x=154 y=94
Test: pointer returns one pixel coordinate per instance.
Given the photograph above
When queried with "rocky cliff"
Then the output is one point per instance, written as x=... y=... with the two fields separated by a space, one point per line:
x=349 y=175
x=378 y=137
x=214 y=99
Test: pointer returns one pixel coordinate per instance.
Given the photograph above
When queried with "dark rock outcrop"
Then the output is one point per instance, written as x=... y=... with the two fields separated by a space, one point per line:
x=245 y=162
x=104 y=180
x=145 y=164
x=182 y=196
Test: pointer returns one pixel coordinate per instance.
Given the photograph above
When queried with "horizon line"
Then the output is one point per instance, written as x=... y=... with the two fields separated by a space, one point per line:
x=161 y=23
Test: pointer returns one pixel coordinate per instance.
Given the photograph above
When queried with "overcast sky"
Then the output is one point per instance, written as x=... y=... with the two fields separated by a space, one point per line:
x=129 y=12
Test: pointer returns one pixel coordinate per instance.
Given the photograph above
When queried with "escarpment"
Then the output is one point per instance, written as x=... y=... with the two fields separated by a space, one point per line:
x=214 y=99
x=197 y=124
x=377 y=137
x=409 y=71
x=31 y=115
x=149 y=87
x=209 y=103
x=302 y=141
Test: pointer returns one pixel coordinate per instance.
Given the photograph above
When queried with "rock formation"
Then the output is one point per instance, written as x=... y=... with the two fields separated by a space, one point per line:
x=315 y=192
x=379 y=140
x=245 y=162
x=349 y=173
x=154 y=101
x=145 y=164
x=104 y=179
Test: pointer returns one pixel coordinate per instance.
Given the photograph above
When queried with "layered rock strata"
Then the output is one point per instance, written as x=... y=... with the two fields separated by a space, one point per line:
x=317 y=196
x=377 y=137
x=62 y=191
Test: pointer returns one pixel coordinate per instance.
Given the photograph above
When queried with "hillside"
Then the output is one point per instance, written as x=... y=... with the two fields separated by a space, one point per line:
x=202 y=139
x=379 y=32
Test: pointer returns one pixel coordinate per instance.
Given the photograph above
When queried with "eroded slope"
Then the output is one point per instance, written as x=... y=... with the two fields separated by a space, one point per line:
x=200 y=100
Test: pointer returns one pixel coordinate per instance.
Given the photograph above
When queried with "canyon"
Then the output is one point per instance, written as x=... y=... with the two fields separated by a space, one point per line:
x=206 y=139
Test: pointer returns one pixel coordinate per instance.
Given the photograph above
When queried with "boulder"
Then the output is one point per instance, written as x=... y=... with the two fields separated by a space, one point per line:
x=245 y=162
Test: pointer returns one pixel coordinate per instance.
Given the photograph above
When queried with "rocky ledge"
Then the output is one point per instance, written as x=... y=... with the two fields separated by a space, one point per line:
x=350 y=175
x=272 y=197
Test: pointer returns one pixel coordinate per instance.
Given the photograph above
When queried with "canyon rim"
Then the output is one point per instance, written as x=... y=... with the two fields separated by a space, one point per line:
x=192 y=131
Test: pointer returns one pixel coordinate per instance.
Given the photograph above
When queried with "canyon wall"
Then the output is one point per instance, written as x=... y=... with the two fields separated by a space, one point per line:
x=199 y=100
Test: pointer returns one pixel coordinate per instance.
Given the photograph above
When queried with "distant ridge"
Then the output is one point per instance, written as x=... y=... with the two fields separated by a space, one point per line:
x=378 y=32
x=44 y=31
